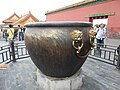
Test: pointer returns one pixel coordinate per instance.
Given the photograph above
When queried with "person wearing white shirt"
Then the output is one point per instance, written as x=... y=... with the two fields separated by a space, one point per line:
x=0 y=33
x=20 y=30
x=100 y=36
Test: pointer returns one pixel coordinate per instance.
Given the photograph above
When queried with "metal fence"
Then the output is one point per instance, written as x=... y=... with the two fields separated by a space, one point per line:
x=21 y=51
x=6 y=54
x=107 y=54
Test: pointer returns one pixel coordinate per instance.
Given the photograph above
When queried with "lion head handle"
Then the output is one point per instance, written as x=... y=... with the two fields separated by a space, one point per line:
x=77 y=42
x=92 y=35
x=77 y=38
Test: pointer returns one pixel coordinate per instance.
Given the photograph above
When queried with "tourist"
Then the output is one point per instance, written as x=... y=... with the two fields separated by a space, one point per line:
x=5 y=35
x=118 y=49
x=23 y=33
x=10 y=33
x=16 y=33
x=101 y=32
x=21 y=36
x=0 y=33
x=96 y=27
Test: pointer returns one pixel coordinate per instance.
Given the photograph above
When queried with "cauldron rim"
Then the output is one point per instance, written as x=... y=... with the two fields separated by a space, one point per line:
x=59 y=24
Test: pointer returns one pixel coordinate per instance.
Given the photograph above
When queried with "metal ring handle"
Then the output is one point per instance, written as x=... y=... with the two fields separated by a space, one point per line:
x=78 y=48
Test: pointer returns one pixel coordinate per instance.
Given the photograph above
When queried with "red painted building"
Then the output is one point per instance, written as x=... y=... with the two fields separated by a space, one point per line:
x=89 y=10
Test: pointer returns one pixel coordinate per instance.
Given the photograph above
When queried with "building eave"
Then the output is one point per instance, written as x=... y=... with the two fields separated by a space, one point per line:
x=77 y=5
x=24 y=18
x=9 y=19
x=101 y=14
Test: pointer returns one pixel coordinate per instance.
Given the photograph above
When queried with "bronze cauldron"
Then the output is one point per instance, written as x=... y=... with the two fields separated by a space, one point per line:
x=59 y=49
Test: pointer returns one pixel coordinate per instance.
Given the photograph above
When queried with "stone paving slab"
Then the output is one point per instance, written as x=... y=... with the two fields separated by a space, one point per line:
x=103 y=73
x=97 y=76
x=115 y=42
x=20 y=75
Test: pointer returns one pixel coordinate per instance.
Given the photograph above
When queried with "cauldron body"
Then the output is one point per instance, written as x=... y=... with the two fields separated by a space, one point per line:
x=50 y=47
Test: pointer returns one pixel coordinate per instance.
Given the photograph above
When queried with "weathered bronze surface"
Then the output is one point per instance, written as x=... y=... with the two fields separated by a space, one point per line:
x=53 y=46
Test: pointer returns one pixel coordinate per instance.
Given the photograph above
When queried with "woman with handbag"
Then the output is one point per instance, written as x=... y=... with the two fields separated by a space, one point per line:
x=10 y=32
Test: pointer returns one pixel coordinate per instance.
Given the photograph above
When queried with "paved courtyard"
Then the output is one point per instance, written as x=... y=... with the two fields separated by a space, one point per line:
x=96 y=76
x=115 y=42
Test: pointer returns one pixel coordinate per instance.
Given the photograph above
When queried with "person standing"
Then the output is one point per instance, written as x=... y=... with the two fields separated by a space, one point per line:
x=0 y=33
x=96 y=27
x=23 y=33
x=20 y=30
x=101 y=32
x=16 y=33
x=10 y=33
x=118 y=49
x=6 y=35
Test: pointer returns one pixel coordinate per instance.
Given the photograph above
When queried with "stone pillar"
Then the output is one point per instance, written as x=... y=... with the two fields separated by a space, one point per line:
x=69 y=83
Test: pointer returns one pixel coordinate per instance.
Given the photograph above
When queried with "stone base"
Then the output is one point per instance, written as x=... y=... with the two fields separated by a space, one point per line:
x=69 y=83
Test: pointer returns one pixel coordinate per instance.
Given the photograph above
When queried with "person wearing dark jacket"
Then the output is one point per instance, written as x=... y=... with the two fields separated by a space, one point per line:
x=118 y=49
x=20 y=30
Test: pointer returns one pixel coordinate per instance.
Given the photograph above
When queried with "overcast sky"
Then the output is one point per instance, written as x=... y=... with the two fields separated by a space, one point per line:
x=37 y=7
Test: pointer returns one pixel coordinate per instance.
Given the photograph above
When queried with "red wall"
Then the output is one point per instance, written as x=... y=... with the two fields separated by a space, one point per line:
x=80 y=13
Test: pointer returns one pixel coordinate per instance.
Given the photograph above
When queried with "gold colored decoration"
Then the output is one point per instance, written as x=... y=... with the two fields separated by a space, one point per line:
x=77 y=38
x=92 y=35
